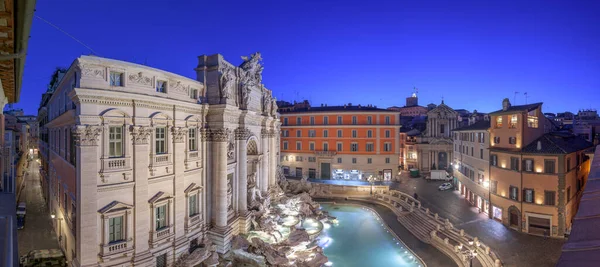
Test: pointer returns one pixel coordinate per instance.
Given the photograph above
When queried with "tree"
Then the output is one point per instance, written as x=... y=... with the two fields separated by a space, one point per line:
x=54 y=78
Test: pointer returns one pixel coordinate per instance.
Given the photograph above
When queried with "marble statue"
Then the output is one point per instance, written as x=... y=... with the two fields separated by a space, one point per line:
x=227 y=81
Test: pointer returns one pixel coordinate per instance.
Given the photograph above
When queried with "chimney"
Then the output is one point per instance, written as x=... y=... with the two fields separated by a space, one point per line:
x=539 y=145
x=505 y=104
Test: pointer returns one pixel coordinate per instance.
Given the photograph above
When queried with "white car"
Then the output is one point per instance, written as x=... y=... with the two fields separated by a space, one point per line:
x=445 y=186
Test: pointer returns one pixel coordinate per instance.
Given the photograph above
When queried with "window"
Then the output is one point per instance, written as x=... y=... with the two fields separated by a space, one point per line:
x=161 y=143
x=192 y=146
x=494 y=187
x=549 y=198
x=311 y=146
x=499 y=122
x=65 y=202
x=325 y=147
x=532 y=121
x=494 y=160
x=512 y=140
x=161 y=217
x=354 y=135
x=513 y=121
x=161 y=86
x=496 y=139
x=285 y=121
x=387 y=134
x=298 y=145
x=285 y=145
x=369 y=133
x=353 y=160
x=442 y=130
x=298 y=133
x=481 y=153
x=514 y=163
x=568 y=165
x=339 y=120
x=568 y=193
x=387 y=120
x=115 y=229
x=354 y=147
x=369 y=147
x=193 y=205
x=325 y=120
x=116 y=78
x=528 y=165
x=194 y=93
x=472 y=152
x=115 y=141
x=354 y=120
x=312 y=133
x=369 y=120
x=514 y=193
x=369 y=161
x=161 y=260
x=549 y=166
x=387 y=147
x=299 y=158
x=312 y=120
x=298 y=121
x=325 y=133
x=528 y=195
x=312 y=159
x=387 y=160
x=73 y=150
x=339 y=160
x=339 y=146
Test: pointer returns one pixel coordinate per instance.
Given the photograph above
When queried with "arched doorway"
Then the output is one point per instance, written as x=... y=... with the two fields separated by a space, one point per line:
x=514 y=217
x=442 y=161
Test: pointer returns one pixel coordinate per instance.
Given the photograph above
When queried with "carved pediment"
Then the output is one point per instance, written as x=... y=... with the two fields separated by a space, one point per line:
x=114 y=206
x=192 y=187
x=159 y=197
x=441 y=141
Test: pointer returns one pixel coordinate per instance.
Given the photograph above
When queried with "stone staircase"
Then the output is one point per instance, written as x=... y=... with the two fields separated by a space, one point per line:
x=432 y=229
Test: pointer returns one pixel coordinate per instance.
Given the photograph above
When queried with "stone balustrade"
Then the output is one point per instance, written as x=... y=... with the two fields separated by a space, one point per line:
x=116 y=249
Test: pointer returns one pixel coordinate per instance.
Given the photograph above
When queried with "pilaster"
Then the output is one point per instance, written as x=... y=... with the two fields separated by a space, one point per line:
x=140 y=138
x=179 y=154
x=273 y=135
x=264 y=163
x=241 y=136
x=88 y=155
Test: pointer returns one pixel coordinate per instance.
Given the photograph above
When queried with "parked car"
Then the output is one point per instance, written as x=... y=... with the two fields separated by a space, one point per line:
x=445 y=186
x=43 y=257
x=21 y=212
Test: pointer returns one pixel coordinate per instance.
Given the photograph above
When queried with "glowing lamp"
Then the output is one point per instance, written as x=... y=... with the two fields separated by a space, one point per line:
x=52 y=216
x=486 y=184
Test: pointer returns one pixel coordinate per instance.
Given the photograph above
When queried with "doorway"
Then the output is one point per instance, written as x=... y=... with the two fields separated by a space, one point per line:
x=325 y=170
x=442 y=161
x=538 y=225
x=299 y=172
x=514 y=218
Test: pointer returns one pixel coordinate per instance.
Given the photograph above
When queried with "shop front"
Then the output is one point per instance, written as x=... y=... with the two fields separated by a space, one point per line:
x=497 y=213
x=341 y=174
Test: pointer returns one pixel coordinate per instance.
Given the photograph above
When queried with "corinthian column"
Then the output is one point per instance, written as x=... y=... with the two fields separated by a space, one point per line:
x=88 y=155
x=241 y=135
x=219 y=138
x=264 y=163
x=273 y=134
x=140 y=137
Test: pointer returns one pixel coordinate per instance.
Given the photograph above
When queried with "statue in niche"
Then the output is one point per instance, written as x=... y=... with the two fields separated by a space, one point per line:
x=266 y=101
x=229 y=192
x=253 y=66
x=227 y=80
x=230 y=152
x=274 y=107
x=244 y=94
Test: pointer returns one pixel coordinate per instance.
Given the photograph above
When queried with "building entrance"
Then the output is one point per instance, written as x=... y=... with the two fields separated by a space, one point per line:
x=325 y=170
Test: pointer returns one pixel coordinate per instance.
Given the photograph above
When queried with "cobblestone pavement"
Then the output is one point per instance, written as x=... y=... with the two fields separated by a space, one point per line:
x=38 y=232
x=513 y=248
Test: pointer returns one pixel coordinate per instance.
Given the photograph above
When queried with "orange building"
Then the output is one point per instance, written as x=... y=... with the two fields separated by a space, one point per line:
x=339 y=142
x=536 y=175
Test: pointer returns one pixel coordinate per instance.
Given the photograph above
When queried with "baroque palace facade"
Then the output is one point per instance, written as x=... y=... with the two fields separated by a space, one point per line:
x=139 y=163
x=435 y=146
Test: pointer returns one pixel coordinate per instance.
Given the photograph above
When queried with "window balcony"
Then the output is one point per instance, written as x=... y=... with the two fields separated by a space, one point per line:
x=116 y=164
x=192 y=222
x=160 y=159
x=159 y=235
x=116 y=248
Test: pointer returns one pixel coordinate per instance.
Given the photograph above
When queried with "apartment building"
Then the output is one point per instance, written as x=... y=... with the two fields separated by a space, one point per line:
x=471 y=162
x=141 y=164
x=536 y=174
x=349 y=142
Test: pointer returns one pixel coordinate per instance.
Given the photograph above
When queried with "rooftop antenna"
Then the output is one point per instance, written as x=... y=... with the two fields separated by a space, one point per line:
x=525 y=97
x=515 y=97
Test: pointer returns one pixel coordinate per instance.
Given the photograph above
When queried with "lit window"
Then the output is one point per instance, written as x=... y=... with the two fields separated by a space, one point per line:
x=499 y=122
x=532 y=122
x=513 y=121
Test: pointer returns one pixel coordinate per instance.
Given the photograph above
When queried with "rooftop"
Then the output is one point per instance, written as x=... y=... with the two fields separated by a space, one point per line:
x=479 y=125
x=345 y=108
x=515 y=109
x=557 y=143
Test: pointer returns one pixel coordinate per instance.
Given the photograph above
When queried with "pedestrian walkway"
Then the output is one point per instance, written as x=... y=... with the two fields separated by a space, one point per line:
x=38 y=232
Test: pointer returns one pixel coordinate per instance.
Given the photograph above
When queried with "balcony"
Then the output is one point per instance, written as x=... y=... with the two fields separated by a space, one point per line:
x=192 y=154
x=161 y=234
x=116 y=248
x=160 y=159
x=115 y=164
x=192 y=222
x=328 y=153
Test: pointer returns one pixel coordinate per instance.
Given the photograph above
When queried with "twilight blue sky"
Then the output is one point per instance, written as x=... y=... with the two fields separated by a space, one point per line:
x=473 y=53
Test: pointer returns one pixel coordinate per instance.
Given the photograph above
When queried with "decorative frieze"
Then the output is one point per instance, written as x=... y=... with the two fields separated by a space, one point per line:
x=140 y=135
x=242 y=133
x=139 y=78
x=86 y=135
x=179 y=134
x=90 y=71
x=220 y=135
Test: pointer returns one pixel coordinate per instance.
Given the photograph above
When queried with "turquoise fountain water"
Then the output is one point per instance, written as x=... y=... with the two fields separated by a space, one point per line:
x=360 y=239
